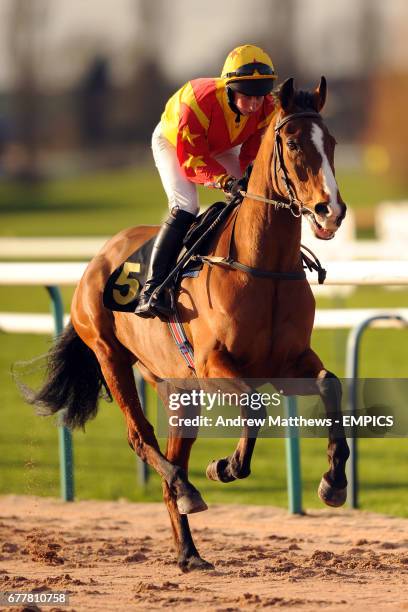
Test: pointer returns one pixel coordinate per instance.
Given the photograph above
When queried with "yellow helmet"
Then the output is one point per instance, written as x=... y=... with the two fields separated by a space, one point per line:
x=249 y=70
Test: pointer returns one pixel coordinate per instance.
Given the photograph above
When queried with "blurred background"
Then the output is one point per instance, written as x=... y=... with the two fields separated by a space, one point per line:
x=82 y=85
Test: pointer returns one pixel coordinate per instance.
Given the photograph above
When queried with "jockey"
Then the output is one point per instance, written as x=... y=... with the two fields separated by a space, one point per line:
x=210 y=131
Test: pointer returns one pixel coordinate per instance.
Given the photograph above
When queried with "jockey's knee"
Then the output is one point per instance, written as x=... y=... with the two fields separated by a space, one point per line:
x=188 y=205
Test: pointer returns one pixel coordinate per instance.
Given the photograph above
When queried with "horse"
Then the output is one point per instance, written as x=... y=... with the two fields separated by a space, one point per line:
x=241 y=324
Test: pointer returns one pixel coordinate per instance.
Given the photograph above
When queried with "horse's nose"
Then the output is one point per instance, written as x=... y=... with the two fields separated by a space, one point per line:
x=325 y=210
x=322 y=209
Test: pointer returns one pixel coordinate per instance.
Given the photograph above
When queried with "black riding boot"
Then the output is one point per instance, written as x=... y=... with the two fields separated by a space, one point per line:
x=165 y=251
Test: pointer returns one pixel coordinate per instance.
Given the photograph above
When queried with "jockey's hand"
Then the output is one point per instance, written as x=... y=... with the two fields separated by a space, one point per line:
x=234 y=186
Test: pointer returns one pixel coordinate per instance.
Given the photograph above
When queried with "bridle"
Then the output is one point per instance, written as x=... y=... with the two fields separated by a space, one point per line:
x=294 y=205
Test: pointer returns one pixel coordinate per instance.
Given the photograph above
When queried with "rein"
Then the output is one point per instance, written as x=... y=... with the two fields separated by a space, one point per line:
x=277 y=203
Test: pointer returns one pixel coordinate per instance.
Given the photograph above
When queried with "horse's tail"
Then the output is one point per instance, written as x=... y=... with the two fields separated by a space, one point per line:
x=74 y=381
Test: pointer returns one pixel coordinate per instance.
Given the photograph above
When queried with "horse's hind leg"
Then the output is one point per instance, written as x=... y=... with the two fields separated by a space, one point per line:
x=333 y=486
x=178 y=451
x=115 y=362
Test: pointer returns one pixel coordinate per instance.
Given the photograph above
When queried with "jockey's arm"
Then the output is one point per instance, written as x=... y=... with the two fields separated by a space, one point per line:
x=195 y=159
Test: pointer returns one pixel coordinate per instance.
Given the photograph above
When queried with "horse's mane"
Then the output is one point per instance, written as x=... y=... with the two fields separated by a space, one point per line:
x=303 y=100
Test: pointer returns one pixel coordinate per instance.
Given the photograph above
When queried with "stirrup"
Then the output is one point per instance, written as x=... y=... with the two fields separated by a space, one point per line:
x=163 y=303
x=153 y=307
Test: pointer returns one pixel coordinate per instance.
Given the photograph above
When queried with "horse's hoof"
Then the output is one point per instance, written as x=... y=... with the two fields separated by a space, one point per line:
x=194 y=563
x=331 y=495
x=188 y=504
x=217 y=470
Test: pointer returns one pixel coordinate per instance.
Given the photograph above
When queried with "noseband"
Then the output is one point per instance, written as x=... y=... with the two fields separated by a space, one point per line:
x=294 y=205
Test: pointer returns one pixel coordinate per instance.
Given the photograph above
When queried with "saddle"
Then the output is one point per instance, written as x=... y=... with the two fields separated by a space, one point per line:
x=124 y=285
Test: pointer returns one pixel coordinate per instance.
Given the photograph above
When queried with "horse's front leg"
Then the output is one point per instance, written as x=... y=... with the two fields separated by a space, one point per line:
x=333 y=485
x=220 y=365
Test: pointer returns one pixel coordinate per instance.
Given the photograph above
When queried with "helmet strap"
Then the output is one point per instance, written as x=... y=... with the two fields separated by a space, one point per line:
x=231 y=104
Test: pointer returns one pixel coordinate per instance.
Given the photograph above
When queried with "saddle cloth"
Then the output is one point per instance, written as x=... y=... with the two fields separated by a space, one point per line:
x=121 y=292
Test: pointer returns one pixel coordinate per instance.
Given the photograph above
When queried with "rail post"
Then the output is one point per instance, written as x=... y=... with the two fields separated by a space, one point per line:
x=293 y=469
x=142 y=467
x=352 y=362
x=64 y=435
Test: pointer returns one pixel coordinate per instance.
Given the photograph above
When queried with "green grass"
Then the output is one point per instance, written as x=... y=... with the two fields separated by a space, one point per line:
x=101 y=204
x=105 y=203
x=105 y=467
x=361 y=189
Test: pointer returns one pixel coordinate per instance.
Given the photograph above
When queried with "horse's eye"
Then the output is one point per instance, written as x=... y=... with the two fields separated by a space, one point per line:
x=292 y=145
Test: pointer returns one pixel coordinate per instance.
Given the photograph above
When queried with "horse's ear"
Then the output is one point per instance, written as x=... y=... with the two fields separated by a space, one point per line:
x=286 y=92
x=320 y=94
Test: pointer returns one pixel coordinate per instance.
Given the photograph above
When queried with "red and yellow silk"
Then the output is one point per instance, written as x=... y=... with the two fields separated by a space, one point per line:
x=199 y=122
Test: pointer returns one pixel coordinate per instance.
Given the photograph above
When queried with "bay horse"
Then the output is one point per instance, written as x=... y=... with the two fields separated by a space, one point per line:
x=240 y=325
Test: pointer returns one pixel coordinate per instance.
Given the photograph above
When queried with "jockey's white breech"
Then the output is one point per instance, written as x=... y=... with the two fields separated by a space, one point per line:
x=179 y=190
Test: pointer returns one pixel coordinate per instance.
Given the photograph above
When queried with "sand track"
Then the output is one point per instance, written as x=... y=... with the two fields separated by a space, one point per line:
x=119 y=556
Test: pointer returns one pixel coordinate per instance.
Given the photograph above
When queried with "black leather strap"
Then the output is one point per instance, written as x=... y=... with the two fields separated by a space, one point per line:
x=285 y=120
x=264 y=273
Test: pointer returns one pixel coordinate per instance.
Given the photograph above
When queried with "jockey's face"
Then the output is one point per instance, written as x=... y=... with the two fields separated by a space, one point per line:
x=247 y=104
